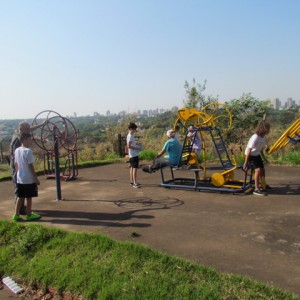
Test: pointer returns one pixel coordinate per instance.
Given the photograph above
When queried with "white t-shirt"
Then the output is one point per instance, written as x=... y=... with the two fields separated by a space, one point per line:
x=132 y=152
x=24 y=157
x=256 y=144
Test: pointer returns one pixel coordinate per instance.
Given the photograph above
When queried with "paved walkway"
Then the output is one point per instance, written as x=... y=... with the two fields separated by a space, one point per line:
x=243 y=234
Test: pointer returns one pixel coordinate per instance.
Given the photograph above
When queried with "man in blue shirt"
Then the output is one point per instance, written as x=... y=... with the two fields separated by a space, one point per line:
x=173 y=149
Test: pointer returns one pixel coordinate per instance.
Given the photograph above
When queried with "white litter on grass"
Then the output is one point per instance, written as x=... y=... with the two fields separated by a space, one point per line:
x=12 y=285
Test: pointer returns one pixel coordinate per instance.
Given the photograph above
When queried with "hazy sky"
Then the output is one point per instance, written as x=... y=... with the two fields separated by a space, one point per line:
x=92 y=56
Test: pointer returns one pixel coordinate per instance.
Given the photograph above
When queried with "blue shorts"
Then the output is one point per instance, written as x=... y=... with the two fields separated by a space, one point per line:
x=26 y=190
x=134 y=162
x=256 y=162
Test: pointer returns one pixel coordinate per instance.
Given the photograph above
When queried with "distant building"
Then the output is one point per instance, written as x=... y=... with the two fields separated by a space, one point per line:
x=122 y=113
x=290 y=103
x=276 y=103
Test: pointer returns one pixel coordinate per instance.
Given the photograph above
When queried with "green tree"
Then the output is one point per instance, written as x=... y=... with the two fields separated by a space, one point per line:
x=195 y=96
x=246 y=112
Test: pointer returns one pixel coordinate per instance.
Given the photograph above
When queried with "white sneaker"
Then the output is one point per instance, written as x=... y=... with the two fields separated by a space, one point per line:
x=259 y=193
x=136 y=185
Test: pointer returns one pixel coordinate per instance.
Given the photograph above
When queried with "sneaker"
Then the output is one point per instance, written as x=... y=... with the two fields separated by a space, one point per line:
x=32 y=217
x=259 y=193
x=16 y=218
x=147 y=169
x=136 y=185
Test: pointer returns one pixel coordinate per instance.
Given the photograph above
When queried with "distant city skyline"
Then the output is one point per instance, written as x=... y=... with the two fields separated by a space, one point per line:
x=290 y=102
x=276 y=102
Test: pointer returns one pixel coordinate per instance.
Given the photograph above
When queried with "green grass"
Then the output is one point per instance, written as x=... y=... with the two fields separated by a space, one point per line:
x=97 y=267
x=290 y=158
x=147 y=155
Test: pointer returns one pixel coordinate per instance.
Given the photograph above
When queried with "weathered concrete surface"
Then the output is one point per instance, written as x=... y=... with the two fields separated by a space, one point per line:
x=243 y=234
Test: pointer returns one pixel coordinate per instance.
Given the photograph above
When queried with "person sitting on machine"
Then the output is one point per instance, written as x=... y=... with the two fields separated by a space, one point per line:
x=173 y=148
x=195 y=140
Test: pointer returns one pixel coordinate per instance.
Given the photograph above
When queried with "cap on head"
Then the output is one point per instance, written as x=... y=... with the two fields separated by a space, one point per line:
x=24 y=127
x=171 y=133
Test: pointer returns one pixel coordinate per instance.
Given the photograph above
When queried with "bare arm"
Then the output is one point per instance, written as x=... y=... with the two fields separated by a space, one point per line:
x=245 y=166
x=31 y=167
x=33 y=128
x=262 y=153
x=16 y=167
x=160 y=153
x=130 y=146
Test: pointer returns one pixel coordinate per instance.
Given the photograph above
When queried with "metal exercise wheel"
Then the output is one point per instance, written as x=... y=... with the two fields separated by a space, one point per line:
x=65 y=133
x=57 y=136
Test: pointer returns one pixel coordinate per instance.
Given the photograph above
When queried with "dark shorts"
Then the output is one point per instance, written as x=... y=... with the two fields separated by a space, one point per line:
x=256 y=162
x=134 y=162
x=26 y=190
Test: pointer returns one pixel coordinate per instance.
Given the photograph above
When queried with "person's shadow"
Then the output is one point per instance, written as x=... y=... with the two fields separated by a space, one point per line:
x=134 y=206
x=288 y=189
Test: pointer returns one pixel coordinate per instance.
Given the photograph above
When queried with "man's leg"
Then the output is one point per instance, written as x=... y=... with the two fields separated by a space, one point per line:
x=257 y=177
x=131 y=175
x=22 y=207
x=134 y=175
x=30 y=215
x=28 y=206
x=18 y=204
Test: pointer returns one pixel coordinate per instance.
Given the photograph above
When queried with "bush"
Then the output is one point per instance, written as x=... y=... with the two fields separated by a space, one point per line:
x=147 y=155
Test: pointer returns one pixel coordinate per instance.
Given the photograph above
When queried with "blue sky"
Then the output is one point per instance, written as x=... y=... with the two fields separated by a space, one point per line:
x=92 y=56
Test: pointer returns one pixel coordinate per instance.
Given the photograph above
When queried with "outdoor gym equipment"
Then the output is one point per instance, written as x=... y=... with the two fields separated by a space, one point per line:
x=57 y=137
x=210 y=124
x=291 y=135
x=213 y=114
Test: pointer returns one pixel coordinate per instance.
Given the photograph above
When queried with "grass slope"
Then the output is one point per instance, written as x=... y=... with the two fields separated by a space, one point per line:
x=97 y=267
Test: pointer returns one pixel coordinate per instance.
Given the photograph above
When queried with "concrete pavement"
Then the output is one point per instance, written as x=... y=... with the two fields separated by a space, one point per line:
x=258 y=237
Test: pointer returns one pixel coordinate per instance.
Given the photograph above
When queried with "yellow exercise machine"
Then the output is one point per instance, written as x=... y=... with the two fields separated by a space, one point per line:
x=210 y=124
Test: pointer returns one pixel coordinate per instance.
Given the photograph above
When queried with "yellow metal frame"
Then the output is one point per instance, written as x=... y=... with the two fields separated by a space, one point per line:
x=213 y=114
x=292 y=132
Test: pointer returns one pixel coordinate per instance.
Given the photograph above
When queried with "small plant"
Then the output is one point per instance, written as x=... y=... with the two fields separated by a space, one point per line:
x=111 y=156
x=292 y=157
x=102 y=150
x=147 y=155
x=87 y=153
